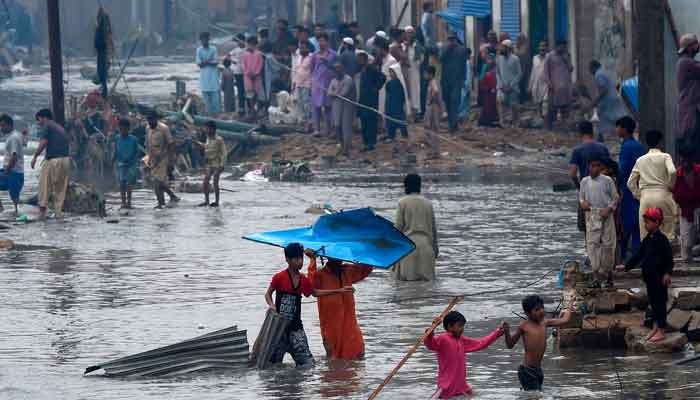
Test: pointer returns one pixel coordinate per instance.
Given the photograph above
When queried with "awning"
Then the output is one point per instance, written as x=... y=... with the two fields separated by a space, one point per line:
x=458 y=9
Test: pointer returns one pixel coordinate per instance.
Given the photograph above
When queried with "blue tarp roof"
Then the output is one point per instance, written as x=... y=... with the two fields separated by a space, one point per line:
x=458 y=9
x=358 y=236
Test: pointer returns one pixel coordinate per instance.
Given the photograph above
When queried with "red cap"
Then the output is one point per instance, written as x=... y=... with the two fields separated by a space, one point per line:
x=654 y=214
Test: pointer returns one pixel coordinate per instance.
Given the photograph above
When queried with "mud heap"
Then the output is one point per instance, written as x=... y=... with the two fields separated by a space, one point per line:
x=617 y=318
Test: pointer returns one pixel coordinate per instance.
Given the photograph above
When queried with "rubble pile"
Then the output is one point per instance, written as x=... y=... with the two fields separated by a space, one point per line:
x=617 y=318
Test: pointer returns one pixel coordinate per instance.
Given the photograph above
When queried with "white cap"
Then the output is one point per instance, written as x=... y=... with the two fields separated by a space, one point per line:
x=408 y=28
x=507 y=43
x=349 y=41
x=381 y=34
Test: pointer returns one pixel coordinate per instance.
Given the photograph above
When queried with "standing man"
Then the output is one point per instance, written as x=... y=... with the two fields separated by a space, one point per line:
x=630 y=151
x=427 y=25
x=301 y=82
x=284 y=36
x=588 y=150
x=608 y=103
x=236 y=56
x=651 y=181
x=686 y=193
x=508 y=73
x=538 y=83
x=53 y=180
x=215 y=156
x=371 y=81
x=342 y=87
x=454 y=73
x=159 y=147
x=208 y=61
x=12 y=177
x=415 y=218
x=523 y=53
x=348 y=57
x=557 y=73
x=414 y=53
x=126 y=155
x=688 y=75
x=323 y=72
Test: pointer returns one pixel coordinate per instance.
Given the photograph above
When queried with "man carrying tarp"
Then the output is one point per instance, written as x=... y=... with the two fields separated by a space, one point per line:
x=288 y=286
x=342 y=336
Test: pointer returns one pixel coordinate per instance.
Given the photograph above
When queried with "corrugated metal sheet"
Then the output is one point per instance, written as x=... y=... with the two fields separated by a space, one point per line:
x=510 y=17
x=458 y=9
x=224 y=349
x=270 y=334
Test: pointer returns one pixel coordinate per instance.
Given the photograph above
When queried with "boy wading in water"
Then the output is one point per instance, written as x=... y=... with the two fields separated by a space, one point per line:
x=452 y=348
x=288 y=286
x=534 y=334
x=126 y=156
x=655 y=257
x=215 y=155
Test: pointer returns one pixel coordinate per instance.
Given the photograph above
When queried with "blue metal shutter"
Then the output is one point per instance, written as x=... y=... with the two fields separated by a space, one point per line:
x=458 y=9
x=561 y=22
x=510 y=17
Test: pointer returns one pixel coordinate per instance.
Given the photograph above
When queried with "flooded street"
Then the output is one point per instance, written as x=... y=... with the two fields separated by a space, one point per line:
x=104 y=291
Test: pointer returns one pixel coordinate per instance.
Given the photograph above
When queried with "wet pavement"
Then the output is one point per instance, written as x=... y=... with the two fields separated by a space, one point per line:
x=108 y=290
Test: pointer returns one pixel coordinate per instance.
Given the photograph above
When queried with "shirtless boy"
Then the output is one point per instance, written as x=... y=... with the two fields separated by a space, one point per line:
x=534 y=333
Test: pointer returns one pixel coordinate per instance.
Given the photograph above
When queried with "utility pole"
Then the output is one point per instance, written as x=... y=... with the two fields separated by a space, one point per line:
x=649 y=33
x=57 y=97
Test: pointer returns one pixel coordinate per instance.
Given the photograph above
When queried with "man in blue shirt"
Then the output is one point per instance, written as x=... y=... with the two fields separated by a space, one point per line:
x=12 y=174
x=630 y=151
x=427 y=24
x=208 y=61
x=126 y=155
x=582 y=154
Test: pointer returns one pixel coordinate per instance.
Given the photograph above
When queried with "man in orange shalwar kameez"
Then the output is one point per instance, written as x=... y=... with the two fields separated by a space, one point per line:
x=340 y=332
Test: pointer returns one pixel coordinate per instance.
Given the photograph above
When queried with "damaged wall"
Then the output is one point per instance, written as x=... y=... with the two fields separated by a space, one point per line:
x=611 y=35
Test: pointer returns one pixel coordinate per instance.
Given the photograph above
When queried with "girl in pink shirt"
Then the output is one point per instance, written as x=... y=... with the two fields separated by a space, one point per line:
x=452 y=348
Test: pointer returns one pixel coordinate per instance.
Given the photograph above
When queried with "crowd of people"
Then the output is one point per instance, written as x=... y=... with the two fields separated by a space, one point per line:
x=631 y=208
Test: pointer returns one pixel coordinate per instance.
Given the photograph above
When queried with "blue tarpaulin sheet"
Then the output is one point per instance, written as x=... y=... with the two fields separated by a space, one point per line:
x=357 y=236
x=630 y=90
x=458 y=9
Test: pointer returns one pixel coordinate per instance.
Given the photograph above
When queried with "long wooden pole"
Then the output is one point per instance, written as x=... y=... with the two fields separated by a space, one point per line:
x=55 y=58
x=415 y=347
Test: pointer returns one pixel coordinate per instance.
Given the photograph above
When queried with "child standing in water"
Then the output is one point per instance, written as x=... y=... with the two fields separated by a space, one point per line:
x=452 y=348
x=534 y=334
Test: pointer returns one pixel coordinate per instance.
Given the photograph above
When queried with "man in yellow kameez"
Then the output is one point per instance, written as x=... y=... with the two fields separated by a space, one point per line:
x=652 y=180
x=415 y=218
x=159 y=147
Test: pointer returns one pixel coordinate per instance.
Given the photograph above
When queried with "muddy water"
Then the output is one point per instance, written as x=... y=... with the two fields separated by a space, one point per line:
x=156 y=277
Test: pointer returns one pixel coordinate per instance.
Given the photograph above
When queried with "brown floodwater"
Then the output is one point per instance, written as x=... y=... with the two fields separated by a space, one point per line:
x=101 y=291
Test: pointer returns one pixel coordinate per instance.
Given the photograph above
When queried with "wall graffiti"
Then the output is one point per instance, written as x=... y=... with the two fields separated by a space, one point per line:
x=610 y=35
